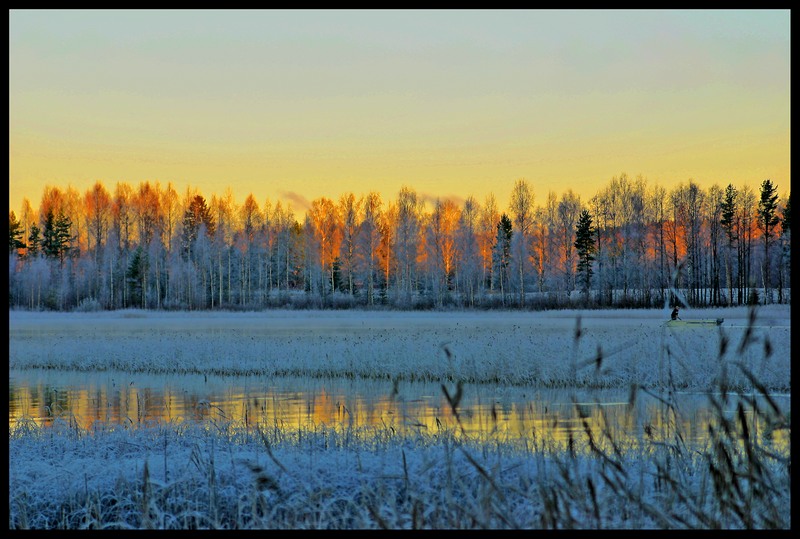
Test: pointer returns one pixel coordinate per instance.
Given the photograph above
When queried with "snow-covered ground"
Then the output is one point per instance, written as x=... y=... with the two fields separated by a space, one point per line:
x=191 y=476
x=531 y=348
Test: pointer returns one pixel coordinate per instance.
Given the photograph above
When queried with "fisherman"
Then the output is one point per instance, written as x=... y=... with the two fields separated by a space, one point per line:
x=675 y=313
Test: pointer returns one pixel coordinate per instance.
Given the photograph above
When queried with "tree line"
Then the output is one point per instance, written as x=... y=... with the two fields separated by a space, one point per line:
x=630 y=245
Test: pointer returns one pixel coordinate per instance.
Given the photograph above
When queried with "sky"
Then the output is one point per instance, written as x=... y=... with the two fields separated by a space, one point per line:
x=296 y=105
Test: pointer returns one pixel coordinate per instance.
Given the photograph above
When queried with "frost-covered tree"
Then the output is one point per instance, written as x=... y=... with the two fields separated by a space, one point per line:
x=395 y=252
x=349 y=210
x=223 y=208
x=469 y=265
x=97 y=204
x=27 y=218
x=442 y=244
x=145 y=205
x=569 y=208
x=407 y=236
x=521 y=207
x=544 y=246
x=696 y=240
x=487 y=232
x=170 y=212
x=745 y=223
x=325 y=221
x=251 y=222
x=369 y=242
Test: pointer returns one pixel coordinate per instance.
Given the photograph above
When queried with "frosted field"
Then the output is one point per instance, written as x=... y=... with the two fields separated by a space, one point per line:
x=220 y=476
x=531 y=348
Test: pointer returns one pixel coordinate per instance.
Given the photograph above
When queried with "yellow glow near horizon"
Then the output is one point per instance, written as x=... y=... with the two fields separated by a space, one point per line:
x=298 y=105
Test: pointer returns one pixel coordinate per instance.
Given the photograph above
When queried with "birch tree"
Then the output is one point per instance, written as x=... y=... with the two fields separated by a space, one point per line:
x=569 y=208
x=442 y=245
x=369 y=241
x=251 y=221
x=324 y=221
x=487 y=233
x=407 y=241
x=469 y=261
x=349 y=210
x=521 y=208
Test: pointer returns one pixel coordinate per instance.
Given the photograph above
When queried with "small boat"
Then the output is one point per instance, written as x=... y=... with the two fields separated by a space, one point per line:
x=697 y=322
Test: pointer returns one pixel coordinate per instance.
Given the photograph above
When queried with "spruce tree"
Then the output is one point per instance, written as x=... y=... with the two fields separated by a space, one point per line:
x=34 y=240
x=63 y=229
x=786 y=223
x=728 y=214
x=336 y=275
x=136 y=273
x=56 y=236
x=196 y=214
x=585 y=245
x=14 y=233
x=767 y=219
x=50 y=246
x=502 y=252
x=728 y=211
x=786 y=235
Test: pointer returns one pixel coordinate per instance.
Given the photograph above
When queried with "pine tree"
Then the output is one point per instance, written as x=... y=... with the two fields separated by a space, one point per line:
x=585 y=245
x=136 y=273
x=196 y=214
x=14 y=233
x=767 y=219
x=336 y=275
x=50 y=246
x=786 y=239
x=56 y=236
x=63 y=229
x=34 y=241
x=728 y=213
x=786 y=223
x=502 y=252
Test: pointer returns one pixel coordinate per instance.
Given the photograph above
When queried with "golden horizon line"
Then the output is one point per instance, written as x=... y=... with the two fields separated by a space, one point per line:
x=304 y=203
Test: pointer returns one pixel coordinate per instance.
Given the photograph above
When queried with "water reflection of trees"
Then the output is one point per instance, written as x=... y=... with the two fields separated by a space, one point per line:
x=552 y=419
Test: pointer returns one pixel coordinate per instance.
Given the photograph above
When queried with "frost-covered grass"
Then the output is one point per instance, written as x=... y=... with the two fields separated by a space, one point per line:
x=514 y=348
x=182 y=475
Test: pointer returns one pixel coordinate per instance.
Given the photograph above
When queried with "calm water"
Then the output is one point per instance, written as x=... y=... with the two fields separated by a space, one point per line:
x=95 y=400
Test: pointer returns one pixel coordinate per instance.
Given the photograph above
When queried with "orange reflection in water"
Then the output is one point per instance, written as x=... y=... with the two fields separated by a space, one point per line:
x=544 y=418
